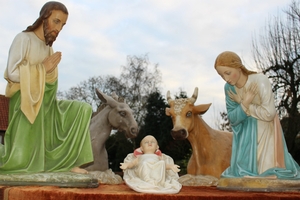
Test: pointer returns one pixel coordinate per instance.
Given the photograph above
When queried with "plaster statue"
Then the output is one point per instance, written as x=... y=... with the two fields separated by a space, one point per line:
x=258 y=145
x=113 y=115
x=211 y=148
x=148 y=170
x=44 y=134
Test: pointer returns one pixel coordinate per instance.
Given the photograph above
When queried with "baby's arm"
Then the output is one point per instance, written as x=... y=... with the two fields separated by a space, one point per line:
x=174 y=168
x=129 y=165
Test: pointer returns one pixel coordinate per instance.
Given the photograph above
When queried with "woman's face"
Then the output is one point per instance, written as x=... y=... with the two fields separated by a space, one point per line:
x=229 y=74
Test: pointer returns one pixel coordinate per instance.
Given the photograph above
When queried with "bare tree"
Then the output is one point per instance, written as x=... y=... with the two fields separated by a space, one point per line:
x=277 y=54
x=85 y=90
x=223 y=122
x=139 y=78
x=140 y=81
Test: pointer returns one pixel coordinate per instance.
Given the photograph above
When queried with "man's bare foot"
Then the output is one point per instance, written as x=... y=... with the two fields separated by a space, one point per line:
x=79 y=170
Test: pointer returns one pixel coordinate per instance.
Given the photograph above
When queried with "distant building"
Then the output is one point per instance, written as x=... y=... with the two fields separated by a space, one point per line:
x=4 y=103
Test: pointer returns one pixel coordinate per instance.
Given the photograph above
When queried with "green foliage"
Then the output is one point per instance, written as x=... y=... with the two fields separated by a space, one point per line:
x=297 y=149
x=225 y=124
x=138 y=84
x=158 y=124
x=295 y=152
x=117 y=146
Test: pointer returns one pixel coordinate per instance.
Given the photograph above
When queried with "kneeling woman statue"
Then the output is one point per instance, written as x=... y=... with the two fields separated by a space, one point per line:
x=258 y=146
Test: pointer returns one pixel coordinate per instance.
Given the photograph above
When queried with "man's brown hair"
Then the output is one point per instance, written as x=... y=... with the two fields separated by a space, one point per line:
x=45 y=12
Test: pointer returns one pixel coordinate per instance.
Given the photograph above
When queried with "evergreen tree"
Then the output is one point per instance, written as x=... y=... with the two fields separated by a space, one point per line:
x=118 y=147
x=158 y=124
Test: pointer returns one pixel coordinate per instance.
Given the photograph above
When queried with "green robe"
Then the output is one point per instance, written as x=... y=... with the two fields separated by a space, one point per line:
x=58 y=139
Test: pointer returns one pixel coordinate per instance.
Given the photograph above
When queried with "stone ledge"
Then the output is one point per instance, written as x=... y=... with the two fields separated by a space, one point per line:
x=61 y=179
x=259 y=184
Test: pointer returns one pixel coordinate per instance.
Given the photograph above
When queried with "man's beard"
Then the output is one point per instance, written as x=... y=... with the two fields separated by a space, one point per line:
x=48 y=34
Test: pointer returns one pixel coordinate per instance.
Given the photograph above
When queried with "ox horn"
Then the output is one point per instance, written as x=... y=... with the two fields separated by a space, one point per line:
x=169 y=99
x=195 y=96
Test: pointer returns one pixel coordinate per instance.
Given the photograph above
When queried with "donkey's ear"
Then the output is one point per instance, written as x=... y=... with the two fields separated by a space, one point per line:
x=106 y=99
x=101 y=96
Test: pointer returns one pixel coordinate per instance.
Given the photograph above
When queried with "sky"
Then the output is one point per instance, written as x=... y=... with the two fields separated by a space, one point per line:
x=182 y=36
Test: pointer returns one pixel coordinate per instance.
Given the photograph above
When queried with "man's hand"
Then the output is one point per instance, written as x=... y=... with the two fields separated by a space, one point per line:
x=51 y=62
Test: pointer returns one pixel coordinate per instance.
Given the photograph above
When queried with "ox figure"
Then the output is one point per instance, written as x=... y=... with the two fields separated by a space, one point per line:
x=115 y=115
x=211 y=149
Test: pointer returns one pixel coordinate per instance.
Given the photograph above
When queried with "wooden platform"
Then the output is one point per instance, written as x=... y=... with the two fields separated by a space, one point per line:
x=110 y=192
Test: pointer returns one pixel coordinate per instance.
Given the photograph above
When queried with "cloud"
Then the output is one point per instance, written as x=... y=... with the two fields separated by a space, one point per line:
x=183 y=37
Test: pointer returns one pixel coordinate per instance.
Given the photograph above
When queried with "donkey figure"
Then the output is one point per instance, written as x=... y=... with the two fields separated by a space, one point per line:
x=114 y=116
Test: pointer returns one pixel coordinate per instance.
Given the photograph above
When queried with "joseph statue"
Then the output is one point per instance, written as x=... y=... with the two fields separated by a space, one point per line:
x=44 y=134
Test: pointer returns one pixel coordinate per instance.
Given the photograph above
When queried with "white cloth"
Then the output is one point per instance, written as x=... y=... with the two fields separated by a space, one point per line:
x=150 y=175
x=263 y=109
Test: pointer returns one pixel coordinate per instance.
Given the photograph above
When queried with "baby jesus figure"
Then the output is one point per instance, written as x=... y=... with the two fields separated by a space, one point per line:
x=148 y=170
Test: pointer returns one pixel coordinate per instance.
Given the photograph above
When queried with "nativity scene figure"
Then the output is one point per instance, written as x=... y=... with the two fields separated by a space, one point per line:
x=211 y=149
x=113 y=114
x=148 y=170
x=44 y=134
x=259 y=150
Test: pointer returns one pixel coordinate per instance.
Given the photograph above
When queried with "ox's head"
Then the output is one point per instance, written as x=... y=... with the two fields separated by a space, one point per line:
x=120 y=116
x=183 y=113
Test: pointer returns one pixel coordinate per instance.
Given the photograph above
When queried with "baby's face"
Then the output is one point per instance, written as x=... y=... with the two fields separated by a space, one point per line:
x=149 y=144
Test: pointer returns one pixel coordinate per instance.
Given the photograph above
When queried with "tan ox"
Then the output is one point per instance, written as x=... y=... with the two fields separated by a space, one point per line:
x=211 y=148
